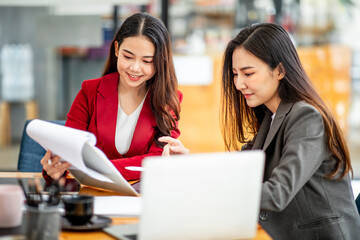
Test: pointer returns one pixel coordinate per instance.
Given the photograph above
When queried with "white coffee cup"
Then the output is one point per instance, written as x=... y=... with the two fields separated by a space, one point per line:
x=11 y=205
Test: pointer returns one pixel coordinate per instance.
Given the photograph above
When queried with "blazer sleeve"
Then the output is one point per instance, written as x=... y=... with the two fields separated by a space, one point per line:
x=154 y=150
x=82 y=107
x=303 y=151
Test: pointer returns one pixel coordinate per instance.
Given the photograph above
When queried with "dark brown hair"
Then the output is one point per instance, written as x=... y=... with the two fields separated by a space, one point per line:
x=163 y=86
x=271 y=43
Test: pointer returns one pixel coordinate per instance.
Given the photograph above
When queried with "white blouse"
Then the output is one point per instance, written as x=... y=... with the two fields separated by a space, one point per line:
x=125 y=127
x=272 y=118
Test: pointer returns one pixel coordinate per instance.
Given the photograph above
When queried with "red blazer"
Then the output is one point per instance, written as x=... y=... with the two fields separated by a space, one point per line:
x=95 y=110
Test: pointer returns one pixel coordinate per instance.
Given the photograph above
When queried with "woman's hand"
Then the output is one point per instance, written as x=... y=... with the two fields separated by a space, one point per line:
x=173 y=146
x=53 y=167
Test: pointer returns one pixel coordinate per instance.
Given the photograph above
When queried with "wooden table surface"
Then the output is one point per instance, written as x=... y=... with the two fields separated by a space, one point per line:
x=95 y=235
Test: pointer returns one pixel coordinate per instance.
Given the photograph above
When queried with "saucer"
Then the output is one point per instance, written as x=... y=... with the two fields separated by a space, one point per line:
x=96 y=222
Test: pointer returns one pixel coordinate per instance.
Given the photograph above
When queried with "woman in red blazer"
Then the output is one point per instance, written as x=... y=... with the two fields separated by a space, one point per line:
x=135 y=102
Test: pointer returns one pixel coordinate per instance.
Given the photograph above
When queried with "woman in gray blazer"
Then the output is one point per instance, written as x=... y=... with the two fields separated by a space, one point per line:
x=306 y=192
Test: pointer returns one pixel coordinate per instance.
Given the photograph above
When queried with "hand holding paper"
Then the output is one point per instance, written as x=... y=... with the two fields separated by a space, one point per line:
x=57 y=138
x=89 y=165
x=54 y=166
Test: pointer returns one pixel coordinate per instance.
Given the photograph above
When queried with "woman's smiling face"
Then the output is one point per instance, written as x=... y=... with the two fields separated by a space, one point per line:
x=257 y=82
x=135 y=61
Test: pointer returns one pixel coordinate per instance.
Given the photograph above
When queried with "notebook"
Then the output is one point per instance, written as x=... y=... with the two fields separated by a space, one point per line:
x=198 y=196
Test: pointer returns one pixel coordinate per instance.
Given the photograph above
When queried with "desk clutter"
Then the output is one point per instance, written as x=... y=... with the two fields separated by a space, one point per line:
x=34 y=211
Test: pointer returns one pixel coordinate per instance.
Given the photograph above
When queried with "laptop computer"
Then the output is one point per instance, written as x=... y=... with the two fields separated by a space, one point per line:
x=198 y=196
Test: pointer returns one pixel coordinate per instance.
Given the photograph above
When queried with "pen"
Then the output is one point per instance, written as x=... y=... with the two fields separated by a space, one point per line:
x=134 y=168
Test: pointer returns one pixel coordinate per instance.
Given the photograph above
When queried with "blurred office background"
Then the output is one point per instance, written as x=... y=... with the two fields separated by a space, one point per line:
x=48 y=47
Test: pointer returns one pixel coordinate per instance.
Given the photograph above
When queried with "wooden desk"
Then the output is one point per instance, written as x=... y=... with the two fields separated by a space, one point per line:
x=66 y=235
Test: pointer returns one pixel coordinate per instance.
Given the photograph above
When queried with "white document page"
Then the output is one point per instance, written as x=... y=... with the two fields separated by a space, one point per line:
x=65 y=142
x=98 y=176
x=117 y=206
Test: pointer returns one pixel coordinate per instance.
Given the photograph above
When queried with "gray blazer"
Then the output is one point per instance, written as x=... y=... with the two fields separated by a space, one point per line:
x=298 y=201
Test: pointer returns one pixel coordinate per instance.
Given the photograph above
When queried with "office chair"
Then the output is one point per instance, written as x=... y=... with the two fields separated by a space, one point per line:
x=31 y=152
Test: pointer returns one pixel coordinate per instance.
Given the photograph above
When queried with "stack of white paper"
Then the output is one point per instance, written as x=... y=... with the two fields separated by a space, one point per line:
x=117 y=206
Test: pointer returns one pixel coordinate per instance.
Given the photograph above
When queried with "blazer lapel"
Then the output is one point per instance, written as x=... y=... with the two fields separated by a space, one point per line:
x=283 y=109
x=107 y=109
x=263 y=131
x=144 y=129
